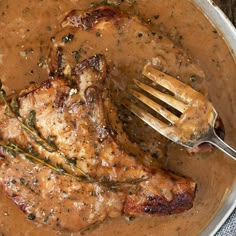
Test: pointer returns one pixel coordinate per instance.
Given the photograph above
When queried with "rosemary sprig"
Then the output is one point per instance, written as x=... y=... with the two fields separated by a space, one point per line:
x=29 y=128
x=12 y=111
x=14 y=149
x=48 y=145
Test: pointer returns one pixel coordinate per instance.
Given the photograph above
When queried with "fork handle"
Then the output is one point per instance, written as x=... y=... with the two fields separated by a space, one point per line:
x=215 y=140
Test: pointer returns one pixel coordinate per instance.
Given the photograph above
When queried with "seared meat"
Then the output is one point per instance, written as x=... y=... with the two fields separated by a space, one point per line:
x=63 y=160
x=106 y=30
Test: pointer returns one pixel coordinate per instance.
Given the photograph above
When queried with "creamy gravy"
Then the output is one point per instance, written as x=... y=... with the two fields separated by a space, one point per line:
x=26 y=29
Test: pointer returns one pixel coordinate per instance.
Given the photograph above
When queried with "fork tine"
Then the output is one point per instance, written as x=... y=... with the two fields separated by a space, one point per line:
x=155 y=106
x=180 y=106
x=180 y=90
x=156 y=124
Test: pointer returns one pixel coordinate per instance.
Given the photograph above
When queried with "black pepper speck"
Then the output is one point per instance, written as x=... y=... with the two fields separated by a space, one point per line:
x=67 y=38
x=31 y=216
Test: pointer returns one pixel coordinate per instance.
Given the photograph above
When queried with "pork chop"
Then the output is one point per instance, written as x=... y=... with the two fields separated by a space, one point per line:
x=107 y=30
x=61 y=158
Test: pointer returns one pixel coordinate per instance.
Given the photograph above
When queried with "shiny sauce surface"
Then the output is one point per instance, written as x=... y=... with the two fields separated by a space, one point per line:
x=26 y=29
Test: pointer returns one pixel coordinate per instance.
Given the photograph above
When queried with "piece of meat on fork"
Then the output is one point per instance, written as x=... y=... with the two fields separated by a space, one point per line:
x=61 y=161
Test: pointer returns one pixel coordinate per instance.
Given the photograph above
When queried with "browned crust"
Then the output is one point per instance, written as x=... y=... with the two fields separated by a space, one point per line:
x=56 y=63
x=20 y=202
x=17 y=199
x=156 y=205
x=92 y=17
x=60 y=99
x=96 y=62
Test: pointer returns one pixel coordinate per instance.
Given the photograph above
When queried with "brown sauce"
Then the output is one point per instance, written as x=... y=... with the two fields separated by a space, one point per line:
x=26 y=29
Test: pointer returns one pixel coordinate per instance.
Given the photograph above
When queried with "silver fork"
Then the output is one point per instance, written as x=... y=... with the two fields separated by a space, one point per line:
x=196 y=123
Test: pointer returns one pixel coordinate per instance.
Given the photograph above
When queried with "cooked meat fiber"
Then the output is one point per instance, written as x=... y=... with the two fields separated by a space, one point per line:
x=62 y=162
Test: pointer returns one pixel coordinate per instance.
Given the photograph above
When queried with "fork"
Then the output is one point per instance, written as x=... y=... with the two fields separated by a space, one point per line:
x=192 y=120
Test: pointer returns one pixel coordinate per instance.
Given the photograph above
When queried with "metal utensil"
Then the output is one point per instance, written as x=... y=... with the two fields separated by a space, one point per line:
x=195 y=124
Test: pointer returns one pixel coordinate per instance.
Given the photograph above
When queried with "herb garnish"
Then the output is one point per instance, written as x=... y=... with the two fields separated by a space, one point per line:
x=13 y=149
x=29 y=126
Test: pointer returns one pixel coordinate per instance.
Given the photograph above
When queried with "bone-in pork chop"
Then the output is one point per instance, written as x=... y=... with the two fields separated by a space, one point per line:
x=117 y=35
x=62 y=163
